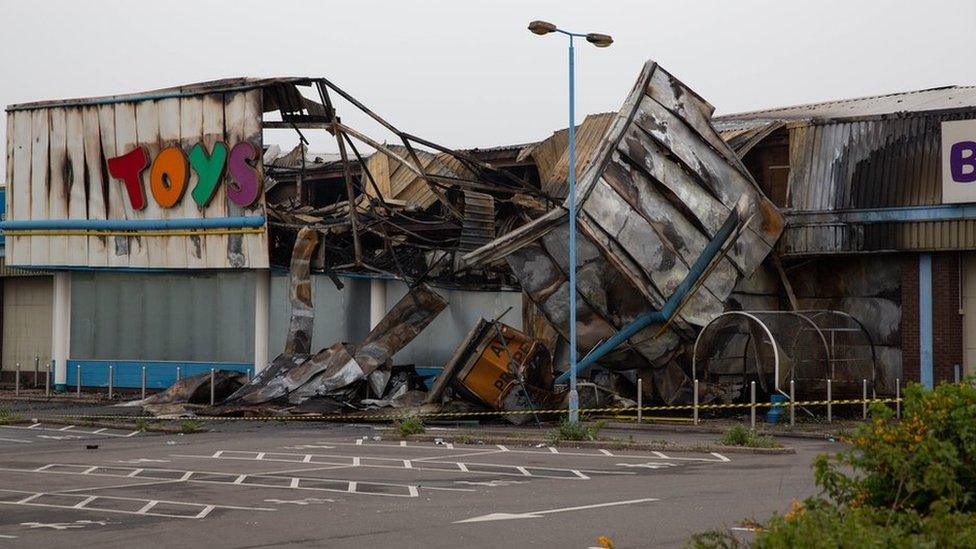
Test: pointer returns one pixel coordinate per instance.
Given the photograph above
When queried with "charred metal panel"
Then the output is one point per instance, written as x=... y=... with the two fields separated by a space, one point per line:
x=658 y=188
x=299 y=339
x=335 y=369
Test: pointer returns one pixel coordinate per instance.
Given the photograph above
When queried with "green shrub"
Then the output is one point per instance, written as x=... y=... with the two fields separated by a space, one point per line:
x=740 y=436
x=907 y=483
x=575 y=431
x=142 y=424
x=411 y=425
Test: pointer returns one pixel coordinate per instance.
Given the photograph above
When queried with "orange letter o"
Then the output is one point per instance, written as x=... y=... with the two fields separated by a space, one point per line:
x=169 y=176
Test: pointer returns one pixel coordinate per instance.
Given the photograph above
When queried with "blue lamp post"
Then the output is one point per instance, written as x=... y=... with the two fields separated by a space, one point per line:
x=600 y=41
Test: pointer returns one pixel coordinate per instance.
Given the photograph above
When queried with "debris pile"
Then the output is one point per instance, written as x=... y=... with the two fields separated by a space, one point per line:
x=669 y=223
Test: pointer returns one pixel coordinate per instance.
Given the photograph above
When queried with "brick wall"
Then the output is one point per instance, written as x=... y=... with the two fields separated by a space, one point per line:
x=909 y=318
x=947 y=323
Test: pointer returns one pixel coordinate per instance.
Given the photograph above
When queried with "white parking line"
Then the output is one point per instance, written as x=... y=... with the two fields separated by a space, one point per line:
x=4 y=439
x=265 y=480
x=430 y=465
x=69 y=429
x=600 y=453
x=205 y=508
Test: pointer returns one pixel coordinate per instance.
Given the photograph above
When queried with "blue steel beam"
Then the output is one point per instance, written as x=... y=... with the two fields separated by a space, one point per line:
x=133 y=224
x=925 y=343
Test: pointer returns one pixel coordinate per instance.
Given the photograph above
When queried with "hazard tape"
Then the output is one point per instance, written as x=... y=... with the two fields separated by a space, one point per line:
x=490 y=413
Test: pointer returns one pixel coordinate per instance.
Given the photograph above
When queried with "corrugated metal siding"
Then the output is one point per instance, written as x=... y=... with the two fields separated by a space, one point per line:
x=833 y=238
x=949 y=97
x=11 y=272
x=867 y=163
x=552 y=155
x=200 y=317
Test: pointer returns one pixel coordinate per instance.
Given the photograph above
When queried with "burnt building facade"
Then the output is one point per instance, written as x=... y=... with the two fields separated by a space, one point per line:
x=870 y=227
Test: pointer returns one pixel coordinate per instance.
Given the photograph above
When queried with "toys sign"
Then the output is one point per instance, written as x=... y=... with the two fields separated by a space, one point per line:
x=958 y=161
x=169 y=174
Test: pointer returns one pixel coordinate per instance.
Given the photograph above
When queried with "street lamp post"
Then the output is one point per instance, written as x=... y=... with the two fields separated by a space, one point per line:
x=600 y=41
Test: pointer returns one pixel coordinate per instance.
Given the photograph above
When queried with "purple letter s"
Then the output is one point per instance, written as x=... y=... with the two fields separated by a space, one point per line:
x=246 y=185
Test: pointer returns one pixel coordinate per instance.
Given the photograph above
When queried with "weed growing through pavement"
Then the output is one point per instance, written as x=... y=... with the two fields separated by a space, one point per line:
x=575 y=431
x=740 y=436
x=409 y=426
x=190 y=426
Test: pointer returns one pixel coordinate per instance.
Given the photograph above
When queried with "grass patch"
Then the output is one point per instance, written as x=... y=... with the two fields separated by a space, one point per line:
x=142 y=424
x=8 y=416
x=740 y=436
x=575 y=431
x=190 y=426
x=409 y=426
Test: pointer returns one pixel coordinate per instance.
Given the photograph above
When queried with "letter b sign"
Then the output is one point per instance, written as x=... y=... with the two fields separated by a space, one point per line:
x=958 y=161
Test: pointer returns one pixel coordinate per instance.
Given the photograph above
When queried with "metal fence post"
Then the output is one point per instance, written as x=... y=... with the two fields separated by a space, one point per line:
x=864 y=399
x=830 y=403
x=792 y=402
x=37 y=371
x=957 y=372
x=695 y=406
x=47 y=379
x=248 y=375
x=78 y=381
x=640 y=400
x=17 y=380
x=898 y=398
x=143 y=383
x=752 y=402
x=212 y=379
x=111 y=380
x=178 y=376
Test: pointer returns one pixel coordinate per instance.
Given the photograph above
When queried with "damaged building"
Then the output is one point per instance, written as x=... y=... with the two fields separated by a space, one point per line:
x=801 y=243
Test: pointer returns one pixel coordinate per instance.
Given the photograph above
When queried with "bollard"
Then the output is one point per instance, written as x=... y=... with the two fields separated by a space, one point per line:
x=143 y=383
x=752 y=402
x=830 y=405
x=212 y=386
x=37 y=370
x=898 y=398
x=111 y=376
x=47 y=379
x=640 y=400
x=17 y=380
x=78 y=382
x=956 y=372
x=695 y=406
x=864 y=399
x=178 y=376
x=792 y=402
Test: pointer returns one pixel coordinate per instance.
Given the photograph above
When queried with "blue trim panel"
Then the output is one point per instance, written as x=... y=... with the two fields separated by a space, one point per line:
x=874 y=215
x=128 y=373
x=134 y=224
x=925 y=320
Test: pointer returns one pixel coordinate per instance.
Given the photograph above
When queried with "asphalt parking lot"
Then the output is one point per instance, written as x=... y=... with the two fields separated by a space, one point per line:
x=336 y=486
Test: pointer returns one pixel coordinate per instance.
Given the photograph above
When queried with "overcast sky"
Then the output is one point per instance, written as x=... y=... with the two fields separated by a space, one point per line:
x=467 y=74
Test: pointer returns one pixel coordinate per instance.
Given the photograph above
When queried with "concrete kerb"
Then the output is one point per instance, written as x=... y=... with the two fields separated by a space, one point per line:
x=705 y=429
x=607 y=444
x=120 y=425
